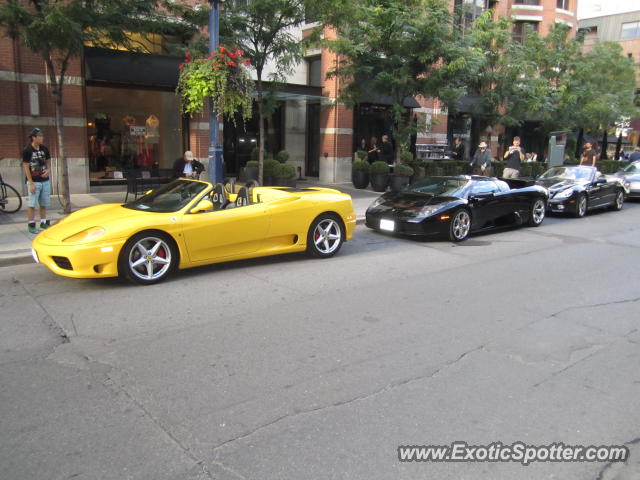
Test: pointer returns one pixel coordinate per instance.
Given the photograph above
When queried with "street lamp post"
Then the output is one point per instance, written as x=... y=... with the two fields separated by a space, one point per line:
x=215 y=149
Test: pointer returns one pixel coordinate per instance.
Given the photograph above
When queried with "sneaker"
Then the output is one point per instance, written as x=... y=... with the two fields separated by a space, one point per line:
x=45 y=225
x=32 y=229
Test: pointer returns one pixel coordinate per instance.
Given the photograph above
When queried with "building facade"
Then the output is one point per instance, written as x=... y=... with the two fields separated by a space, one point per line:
x=622 y=28
x=121 y=111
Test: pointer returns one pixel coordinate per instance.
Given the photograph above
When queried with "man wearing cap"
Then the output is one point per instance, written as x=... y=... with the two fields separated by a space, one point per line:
x=481 y=161
x=187 y=166
x=36 y=164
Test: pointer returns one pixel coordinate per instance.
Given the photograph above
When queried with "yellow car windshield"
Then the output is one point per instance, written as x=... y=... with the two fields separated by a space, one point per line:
x=168 y=198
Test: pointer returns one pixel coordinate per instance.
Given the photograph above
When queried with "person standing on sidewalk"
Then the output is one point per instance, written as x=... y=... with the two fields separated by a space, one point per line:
x=588 y=156
x=36 y=164
x=513 y=157
x=481 y=161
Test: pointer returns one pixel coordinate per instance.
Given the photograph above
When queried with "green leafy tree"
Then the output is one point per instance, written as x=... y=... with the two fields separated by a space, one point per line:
x=399 y=49
x=58 y=31
x=263 y=29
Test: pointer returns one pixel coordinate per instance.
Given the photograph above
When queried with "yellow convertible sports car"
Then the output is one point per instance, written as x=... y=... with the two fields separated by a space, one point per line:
x=188 y=223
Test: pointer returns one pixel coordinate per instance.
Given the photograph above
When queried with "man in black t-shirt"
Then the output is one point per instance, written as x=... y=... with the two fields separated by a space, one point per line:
x=36 y=164
x=513 y=157
x=386 y=150
x=458 y=149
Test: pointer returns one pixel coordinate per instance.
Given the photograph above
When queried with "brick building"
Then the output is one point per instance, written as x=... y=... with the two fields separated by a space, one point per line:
x=121 y=111
x=623 y=28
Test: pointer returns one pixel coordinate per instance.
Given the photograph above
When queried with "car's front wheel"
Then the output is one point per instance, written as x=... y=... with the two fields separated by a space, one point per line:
x=325 y=236
x=537 y=213
x=617 y=203
x=581 y=206
x=147 y=258
x=460 y=225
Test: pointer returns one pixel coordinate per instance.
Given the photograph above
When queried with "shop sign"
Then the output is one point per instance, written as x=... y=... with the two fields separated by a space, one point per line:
x=137 y=131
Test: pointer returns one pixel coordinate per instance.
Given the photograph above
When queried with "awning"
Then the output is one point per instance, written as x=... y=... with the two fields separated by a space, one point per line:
x=127 y=68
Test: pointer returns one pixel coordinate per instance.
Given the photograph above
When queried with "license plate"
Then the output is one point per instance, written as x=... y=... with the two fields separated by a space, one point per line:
x=387 y=225
x=35 y=255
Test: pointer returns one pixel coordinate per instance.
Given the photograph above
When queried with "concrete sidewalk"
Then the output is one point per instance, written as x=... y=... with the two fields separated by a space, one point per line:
x=15 y=240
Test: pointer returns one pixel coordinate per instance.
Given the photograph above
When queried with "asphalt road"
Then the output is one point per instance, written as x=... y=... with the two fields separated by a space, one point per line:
x=297 y=368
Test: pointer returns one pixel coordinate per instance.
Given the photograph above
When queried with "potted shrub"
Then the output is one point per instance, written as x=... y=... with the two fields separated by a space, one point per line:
x=268 y=172
x=360 y=170
x=282 y=156
x=379 y=176
x=400 y=178
x=249 y=171
x=284 y=175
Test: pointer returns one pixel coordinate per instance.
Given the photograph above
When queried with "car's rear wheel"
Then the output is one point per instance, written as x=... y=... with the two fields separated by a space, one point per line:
x=460 y=225
x=147 y=258
x=325 y=236
x=581 y=206
x=538 y=210
x=619 y=201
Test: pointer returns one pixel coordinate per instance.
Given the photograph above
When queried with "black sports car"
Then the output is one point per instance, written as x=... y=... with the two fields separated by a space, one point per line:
x=456 y=206
x=577 y=189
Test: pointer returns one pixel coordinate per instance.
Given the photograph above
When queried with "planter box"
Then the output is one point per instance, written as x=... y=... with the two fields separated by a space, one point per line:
x=397 y=182
x=379 y=181
x=360 y=179
x=248 y=173
x=285 y=182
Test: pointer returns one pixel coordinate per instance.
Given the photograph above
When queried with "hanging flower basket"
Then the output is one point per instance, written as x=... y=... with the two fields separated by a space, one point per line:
x=223 y=77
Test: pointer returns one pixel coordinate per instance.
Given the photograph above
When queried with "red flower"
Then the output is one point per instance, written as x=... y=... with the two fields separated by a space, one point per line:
x=180 y=67
x=188 y=54
x=247 y=61
x=232 y=55
x=231 y=64
x=187 y=61
x=240 y=52
x=222 y=49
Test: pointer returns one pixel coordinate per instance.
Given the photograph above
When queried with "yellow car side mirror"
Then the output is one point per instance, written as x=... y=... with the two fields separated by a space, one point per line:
x=202 y=206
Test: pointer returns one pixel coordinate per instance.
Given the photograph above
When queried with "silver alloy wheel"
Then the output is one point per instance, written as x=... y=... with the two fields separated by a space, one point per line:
x=619 y=200
x=150 y=258
x=327 y=236
x=582 y=205
x=461 y=225
x=538 y=212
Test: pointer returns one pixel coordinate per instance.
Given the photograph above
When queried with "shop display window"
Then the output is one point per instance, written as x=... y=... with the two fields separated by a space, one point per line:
x=130 y=128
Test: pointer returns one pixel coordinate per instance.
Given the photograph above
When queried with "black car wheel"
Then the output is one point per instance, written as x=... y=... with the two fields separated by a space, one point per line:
x=325 y=236
x=460 y=225
x=581 y=206
x=538 y=210
x=147 y=258
x=617 y=203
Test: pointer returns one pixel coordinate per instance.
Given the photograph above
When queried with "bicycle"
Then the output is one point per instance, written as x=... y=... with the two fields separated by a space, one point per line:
x=10 y=199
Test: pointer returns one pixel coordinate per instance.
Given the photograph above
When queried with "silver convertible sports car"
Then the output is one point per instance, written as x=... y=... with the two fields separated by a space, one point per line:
x=630 y=178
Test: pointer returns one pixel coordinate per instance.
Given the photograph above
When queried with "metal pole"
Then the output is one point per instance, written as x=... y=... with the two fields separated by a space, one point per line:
x=215 y=149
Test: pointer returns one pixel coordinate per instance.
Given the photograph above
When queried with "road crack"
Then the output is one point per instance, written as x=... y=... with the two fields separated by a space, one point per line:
x=359 y=398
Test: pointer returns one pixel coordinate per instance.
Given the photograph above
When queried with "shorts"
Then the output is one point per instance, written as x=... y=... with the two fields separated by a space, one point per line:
x=41 y=197
x=510 y=173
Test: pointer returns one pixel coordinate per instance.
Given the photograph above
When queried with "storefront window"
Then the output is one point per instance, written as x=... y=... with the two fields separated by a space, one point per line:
x=130 y=128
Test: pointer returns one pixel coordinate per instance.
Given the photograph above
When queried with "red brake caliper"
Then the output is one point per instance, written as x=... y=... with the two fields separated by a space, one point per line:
x=162 y=253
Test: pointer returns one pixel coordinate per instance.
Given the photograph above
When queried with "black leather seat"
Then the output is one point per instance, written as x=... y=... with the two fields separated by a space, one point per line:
x=244 y=197
x=219 y=197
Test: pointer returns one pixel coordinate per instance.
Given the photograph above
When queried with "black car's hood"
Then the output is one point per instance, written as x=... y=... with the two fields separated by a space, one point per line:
x=410 y=202
x=555 y=186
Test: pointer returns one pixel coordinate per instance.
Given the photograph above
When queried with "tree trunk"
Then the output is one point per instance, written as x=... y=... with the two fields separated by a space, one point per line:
x=618 y=146
x=579 y=142
x=603 y=149
x=62 y=159
x=260 y=140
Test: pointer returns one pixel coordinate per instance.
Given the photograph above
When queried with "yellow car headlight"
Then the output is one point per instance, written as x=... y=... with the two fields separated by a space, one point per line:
x=87 y=235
